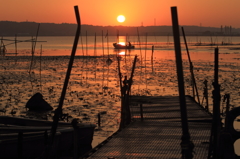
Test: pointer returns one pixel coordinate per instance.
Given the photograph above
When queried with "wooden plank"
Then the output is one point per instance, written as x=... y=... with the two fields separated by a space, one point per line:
x=158 y=138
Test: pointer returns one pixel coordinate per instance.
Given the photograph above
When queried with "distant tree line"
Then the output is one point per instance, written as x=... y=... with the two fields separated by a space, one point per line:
x=10 y=28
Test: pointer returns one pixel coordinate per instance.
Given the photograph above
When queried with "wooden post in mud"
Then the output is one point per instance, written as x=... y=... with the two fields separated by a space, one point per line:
x=124 y=103
x=99 y=120
x=205 y=94
x=58 y=111
x=120 y=76
x=33 y=49
x=152 y=58
x=194 y=88
x=16 y=44
x=129 y=90
x=227 y=97
x=216 y=122
x=40 y=70
x=186 y=145
x=125 y=91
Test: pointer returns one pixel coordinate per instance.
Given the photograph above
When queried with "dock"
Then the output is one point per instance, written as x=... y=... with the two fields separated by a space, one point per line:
x=157 y=132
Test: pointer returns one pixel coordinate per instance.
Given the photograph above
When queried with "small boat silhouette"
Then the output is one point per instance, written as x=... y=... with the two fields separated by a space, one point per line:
x=121 y=46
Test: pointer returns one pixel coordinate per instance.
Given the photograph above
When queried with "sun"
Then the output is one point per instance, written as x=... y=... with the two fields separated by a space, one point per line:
x=120 y=18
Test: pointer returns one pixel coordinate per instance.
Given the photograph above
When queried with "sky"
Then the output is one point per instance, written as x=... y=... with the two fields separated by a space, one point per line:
x=213 y=13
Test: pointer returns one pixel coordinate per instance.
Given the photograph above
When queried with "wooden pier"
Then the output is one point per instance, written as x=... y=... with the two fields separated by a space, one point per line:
x=157 y=132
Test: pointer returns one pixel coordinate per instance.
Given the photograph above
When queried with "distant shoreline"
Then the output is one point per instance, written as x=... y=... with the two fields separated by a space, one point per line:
x=9 y=28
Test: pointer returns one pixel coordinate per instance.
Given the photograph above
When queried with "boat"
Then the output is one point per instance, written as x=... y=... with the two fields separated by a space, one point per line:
x=121 y=46
x=27 y=138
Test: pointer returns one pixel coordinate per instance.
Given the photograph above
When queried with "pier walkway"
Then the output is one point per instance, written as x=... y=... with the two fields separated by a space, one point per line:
x=158 y=134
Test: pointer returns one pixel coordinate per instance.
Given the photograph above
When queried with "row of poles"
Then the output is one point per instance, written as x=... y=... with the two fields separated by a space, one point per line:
x=187 y=145
x=125 y=86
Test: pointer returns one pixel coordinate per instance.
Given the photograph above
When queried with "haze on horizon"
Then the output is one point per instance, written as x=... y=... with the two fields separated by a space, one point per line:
x=212 y=13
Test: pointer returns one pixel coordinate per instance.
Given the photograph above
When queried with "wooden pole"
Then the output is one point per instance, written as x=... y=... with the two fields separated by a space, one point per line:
x=33 y=49
x=99 y=120
x=140 y=58
x=227 y=96
x=152 y=57
x=191 y=69
x=120 y=76
x=130 y=81
x=16 y=44
x=86 y=44
x=103 y=63
x=216 y=123
x=186 y=144
x=102 y=44
x=206 y=94
x=58 y=111
x=95 y=58
x=40 y=71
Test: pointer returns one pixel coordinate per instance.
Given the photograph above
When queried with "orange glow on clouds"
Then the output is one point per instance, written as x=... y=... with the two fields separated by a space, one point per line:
x=147 y=13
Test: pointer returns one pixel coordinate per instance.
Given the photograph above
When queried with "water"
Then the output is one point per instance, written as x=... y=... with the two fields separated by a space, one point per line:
x=94 y=84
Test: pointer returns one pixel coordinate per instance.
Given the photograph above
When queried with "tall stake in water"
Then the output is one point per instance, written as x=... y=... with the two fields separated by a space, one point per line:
x=95 y=58
x=40 y=71
x=33 y=49
x=109 y=61
x=186 y=144
x=216 y=122
x=152 y=58
x=16 y=44
x=191 y=69
x=58 y=111
x=86 y=58
x=146 y=61
x=140 y=58
x=103 y=62
x=83 y=59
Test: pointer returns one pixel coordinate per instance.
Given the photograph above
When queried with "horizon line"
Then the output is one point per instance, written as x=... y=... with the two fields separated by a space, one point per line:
x=111 y=25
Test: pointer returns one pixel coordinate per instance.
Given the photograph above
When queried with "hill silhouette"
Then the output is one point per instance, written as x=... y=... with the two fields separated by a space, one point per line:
x=10 y=28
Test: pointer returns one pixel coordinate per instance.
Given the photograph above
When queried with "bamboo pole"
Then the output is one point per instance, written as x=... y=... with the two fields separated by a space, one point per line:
x=120 y=76
x=130 y=81
x=205 y=94
x=191 y=69
x=216 y=122
x=16 y=44
x=40 y=70
x=86 y=57
x=58 y=111
x=152 y=58
x=95 y=58
x=146 y=61
x=186 y=144
x=103 y=63
x=102 y=44
x=140 y=58
x=86 y=44
x=33 y=49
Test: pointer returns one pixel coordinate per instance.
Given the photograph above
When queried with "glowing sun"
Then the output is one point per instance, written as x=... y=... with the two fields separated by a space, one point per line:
x=120 y=18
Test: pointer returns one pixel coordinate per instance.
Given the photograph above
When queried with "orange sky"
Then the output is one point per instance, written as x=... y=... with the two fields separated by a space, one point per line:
x=137 y=12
